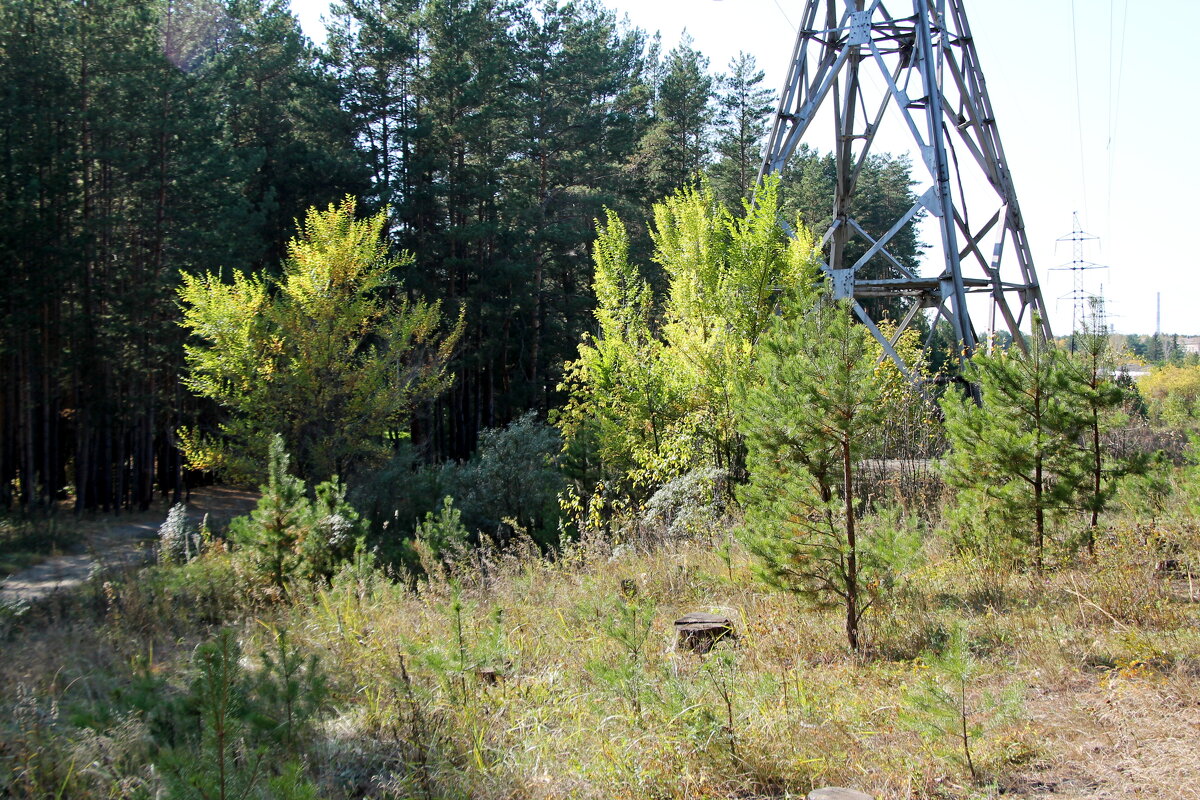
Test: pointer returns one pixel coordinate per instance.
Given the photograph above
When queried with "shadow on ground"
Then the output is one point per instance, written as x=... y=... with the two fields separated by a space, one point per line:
x=119 y=542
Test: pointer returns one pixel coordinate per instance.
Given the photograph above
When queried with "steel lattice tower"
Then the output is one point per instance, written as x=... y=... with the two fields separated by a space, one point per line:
x=924 y=67
x=1079 y=297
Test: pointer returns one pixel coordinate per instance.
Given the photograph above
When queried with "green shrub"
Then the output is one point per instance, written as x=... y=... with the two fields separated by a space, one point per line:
x=291 y=690
x=510 y=485
x=440 y=538
x=396 y=497
x=333 y=531
x=513 y=481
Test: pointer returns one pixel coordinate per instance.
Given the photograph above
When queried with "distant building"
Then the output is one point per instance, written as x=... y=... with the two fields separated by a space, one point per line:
x=1189 y=344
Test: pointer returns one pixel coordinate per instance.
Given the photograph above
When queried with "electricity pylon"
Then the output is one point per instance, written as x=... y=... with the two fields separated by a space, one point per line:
x=923 y=68
x=1080 y=298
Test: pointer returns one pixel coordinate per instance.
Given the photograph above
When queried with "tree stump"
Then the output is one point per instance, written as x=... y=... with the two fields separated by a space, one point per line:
x=488 y=676
x=698 y=631
x=837 y=793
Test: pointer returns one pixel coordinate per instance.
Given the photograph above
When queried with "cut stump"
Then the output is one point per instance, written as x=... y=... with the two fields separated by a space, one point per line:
x=698 y=631
x=488 y=676
x=837 y=793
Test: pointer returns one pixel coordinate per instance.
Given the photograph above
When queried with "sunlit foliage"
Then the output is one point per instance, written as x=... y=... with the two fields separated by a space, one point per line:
x=330 y=355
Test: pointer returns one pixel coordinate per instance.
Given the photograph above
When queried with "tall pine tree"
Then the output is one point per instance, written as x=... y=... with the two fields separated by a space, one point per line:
x=676 y=146
x=741 y=129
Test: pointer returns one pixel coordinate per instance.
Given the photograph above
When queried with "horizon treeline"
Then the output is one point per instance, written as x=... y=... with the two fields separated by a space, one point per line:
x=146 y=140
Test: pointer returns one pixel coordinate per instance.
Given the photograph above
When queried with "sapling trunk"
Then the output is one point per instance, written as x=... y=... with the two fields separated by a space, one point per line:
x=851 y=547
x=964 y=732
x=1039 y=514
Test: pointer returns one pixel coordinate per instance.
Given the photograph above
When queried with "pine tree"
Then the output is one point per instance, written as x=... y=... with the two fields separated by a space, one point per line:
x=282 y=122
x=676 y=146
x=574 y=129
x=742 y=125
x=1017 y=455
x=219 y=762
x=272 y=533
x=1100 y=396
x=115 y=181
x=374 y=52
x=452 y=219
x=808 y=418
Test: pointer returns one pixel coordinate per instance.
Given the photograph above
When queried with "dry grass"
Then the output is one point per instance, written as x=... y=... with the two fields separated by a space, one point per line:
x=1114 y=737
x=514 y=677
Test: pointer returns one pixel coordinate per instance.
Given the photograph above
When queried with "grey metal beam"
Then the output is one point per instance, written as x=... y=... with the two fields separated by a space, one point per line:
x=929 y=65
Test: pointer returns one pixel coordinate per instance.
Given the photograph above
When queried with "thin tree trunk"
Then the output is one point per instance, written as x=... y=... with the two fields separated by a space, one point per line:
x=1039 y=513
x=1097 y=482
x=851 y=547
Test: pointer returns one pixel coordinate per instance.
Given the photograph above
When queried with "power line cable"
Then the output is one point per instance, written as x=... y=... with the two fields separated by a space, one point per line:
x=1079 y=109
x=785 y=16
x=1112 y=4
x=1116 y=109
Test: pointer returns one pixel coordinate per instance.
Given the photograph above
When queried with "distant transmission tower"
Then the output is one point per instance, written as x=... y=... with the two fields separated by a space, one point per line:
x=1080 y=298
x=922 y=67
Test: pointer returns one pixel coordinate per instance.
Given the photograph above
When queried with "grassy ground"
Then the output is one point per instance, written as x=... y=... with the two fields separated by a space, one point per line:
x=517 y=677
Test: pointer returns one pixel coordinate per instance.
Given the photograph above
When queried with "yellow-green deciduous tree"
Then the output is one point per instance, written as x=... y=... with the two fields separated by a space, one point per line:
x=1173 y=395
x=330 y=355
x=655 y=391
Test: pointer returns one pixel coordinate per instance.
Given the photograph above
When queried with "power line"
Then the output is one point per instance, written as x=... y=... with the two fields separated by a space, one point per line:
x=1115 y=107
x=1079 y=109
x=1080 y=298
x=785 y=16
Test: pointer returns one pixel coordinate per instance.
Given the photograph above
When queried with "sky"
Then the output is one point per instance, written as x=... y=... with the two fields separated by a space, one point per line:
x=1095 y=101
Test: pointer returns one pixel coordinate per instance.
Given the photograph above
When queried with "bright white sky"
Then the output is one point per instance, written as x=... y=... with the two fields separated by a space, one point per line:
x=1135 y=109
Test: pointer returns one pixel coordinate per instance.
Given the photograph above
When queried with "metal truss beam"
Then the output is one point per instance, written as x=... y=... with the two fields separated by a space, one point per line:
x=924 y=70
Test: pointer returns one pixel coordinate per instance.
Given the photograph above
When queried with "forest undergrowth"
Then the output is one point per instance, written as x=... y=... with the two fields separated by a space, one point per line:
x=508 y=673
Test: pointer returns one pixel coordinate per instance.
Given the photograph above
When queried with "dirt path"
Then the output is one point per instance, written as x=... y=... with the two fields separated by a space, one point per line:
x=118 y=542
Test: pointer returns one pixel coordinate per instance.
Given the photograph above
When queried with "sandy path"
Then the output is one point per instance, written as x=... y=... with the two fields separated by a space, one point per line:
x=118 y=542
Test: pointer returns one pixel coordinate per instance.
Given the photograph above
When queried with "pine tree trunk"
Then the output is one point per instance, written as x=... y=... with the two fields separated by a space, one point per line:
x=851 y=547
x=1097 y=482
x=1039 y=514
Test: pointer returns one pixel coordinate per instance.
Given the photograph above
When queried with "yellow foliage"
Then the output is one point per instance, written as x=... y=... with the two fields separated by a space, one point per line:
x=654 y=393
x=329 y=355
x=1172 y=393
